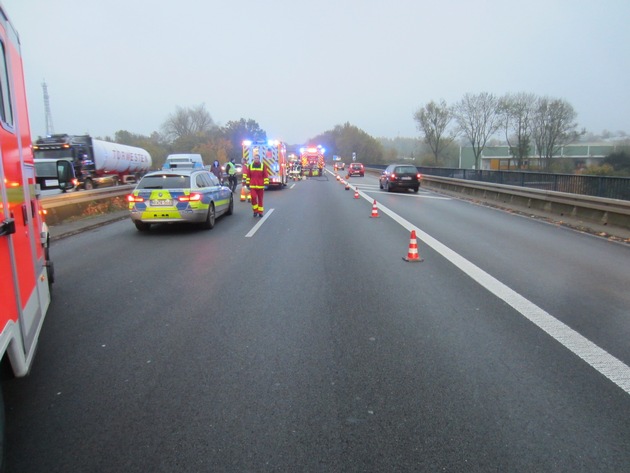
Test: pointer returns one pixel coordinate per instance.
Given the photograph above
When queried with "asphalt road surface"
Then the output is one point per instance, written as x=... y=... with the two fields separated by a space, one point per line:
x=304 y=342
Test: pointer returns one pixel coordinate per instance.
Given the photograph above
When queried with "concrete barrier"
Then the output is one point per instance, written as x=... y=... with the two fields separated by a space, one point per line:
x=595 y=210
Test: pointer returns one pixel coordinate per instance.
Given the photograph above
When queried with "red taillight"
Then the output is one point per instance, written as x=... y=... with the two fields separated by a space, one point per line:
x=194 y=197
x=392 y=177
x=134 y=198
x=419 y=176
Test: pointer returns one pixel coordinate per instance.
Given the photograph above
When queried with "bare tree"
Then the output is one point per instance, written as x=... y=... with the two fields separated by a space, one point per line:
x=433 y=119
x=553 y=127
x=517 y=113
x=478 y=119
x=188 y=122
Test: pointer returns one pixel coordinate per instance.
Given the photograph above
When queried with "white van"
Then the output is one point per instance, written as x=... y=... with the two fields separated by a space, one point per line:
x=187 y=161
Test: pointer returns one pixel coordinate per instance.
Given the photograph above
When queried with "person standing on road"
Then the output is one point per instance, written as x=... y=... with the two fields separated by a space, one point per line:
x=216 y=170
x=256 y=177
x=230 y=170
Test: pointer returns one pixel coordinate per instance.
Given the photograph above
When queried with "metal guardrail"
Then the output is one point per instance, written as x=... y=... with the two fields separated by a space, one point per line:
x=76 y=197
x=603 y=211
x=81 y=204
x=609 y=187
x=594 y=210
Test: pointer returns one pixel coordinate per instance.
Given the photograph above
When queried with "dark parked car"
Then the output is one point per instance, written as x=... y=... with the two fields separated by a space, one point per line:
x=356 y=169
x=400 y=176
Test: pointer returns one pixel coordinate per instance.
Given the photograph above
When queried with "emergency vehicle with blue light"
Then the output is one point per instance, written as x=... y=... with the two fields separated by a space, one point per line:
x=274 y=154
x=26 y=271
x=312 y=160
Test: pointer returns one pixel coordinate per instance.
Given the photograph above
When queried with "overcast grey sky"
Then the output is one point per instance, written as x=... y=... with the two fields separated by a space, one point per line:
x=301 y=67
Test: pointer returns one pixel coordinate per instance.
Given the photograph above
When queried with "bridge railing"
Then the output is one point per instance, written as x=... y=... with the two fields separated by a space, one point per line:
x=596 y=186
x=536 y=192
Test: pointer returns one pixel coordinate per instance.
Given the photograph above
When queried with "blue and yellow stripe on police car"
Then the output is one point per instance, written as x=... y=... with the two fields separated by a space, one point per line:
x=219 y=203
x=173 y=211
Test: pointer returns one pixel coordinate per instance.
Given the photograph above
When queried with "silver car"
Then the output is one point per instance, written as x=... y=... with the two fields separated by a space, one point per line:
x=179 y=195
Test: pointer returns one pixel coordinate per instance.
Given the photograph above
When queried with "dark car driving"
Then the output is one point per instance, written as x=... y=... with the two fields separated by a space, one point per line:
x=400 y=176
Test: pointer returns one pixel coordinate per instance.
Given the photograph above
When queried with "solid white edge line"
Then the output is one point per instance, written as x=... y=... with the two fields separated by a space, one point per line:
x=260 y=222
x=598 y=358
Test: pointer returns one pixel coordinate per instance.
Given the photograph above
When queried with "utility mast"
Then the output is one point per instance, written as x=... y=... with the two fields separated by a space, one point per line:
x=50 y=129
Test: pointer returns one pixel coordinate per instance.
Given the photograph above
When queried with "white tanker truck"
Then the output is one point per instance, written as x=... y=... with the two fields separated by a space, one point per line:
x=97 y=163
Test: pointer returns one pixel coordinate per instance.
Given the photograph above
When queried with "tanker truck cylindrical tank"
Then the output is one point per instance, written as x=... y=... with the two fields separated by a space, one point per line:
x=114 y=157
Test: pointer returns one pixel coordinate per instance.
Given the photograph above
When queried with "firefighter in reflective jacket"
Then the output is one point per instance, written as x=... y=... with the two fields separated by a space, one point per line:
x=256 y=177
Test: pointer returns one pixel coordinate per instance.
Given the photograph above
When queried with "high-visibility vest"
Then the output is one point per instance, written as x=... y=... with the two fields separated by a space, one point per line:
x=256 y=177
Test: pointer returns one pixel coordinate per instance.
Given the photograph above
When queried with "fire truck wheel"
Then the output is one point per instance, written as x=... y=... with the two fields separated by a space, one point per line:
x=209 y=223
x=50 y=267
x=142 y=227
x=230 y=209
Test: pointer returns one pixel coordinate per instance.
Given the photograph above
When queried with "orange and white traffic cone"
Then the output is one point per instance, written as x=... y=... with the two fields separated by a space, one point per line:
x=356 y=193
x=374 y=211
x=412 y=254
x=245 y=194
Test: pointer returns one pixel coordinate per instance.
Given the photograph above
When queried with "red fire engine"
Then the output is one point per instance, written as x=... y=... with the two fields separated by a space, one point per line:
x=25 y=269
x=312 y=160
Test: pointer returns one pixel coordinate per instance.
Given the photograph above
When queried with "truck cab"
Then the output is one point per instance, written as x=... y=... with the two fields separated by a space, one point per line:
x=54 y=177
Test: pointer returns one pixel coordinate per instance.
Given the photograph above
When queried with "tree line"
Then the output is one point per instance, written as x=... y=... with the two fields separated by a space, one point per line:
x=531 y=125
x=526 y=122
x=192 y=130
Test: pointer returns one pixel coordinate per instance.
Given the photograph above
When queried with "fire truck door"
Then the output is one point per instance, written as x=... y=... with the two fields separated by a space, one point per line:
x=8 y=288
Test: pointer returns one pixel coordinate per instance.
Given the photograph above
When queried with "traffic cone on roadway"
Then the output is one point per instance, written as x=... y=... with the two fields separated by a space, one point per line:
x=356 y=192
x=245 y=194
x=347 y=185
x=374 y=211
x=412 y=254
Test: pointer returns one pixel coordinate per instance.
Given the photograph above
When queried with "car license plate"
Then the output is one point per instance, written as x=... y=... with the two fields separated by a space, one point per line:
x=407 y=178
x=161 y=202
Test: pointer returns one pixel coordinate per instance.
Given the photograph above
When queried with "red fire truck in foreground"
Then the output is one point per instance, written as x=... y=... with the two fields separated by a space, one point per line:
x=25 y=269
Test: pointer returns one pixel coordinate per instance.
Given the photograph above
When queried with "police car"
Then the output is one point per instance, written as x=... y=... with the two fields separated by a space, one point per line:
x=179 y=195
